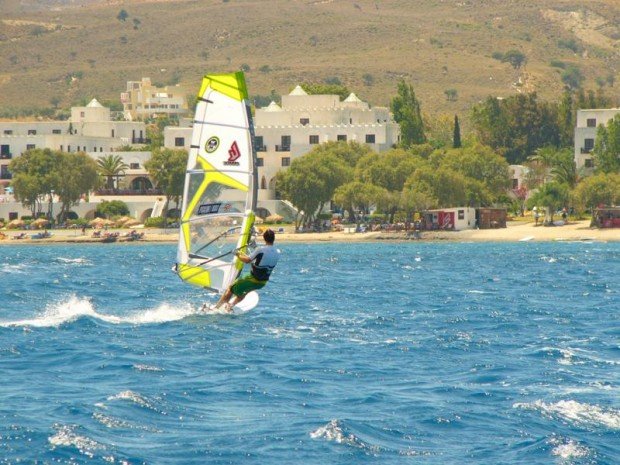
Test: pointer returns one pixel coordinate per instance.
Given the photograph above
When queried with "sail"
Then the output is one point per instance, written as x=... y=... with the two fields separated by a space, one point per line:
x=220 y=185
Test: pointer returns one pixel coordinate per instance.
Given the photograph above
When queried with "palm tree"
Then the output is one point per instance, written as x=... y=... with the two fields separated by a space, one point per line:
x=110 y=167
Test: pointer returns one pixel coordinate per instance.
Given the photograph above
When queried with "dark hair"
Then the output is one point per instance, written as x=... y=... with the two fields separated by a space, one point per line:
x=269 y=236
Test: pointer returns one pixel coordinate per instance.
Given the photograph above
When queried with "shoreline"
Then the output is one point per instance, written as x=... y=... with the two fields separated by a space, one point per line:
x=515 y=232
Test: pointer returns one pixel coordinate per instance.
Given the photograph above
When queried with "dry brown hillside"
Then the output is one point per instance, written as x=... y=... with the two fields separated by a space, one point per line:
x=61 y=51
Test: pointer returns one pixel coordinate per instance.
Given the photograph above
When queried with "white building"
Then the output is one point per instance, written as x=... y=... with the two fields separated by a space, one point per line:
x=283 y=133
x=588 y=122
x=144 y=100
x=90 y=129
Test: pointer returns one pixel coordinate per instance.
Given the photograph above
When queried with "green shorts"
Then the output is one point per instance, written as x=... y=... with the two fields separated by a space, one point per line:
x=246 y=284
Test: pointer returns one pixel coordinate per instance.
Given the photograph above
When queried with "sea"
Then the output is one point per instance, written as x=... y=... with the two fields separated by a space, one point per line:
x=379 y=353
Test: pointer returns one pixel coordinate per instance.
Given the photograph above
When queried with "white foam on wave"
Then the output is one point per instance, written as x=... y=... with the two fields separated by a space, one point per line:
x=76 y=307
x=576 y=412
x=66 y=436
x=333 y=431
x=136 y=398
x=79 y=260
x=14 y=269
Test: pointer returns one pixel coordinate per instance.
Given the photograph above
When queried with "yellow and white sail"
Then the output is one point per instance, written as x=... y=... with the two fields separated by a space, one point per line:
x=220 y=185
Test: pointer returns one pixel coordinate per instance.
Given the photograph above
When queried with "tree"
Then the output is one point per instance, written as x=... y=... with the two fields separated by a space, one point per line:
x=76 y=175
x=451 y=95
x=110 y=167
x=515 y=58
x=407 y=114
x=456 y=139
x=599 y=189
x=448 y=187
x=606 y=152
x=552 y=196
x=326 y=89
x=516 y=126
x=310 y=181
x=167 y=168
x=416 y=199
x=389 y=170
x=122 y=15
x=34 y=178
x=109 y=209
x=357 y=197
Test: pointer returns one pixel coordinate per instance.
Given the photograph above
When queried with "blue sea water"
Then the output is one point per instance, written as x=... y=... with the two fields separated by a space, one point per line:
x=425 y=353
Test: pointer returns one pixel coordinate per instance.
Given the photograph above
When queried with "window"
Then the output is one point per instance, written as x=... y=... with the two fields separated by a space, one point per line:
x=30 y=146
x=82 y=114
x=370 y=138
x=341 y=137
x=179 y=141
x=134 y=166
x=591 y=122
x=589 y=163
x=112 y=132
x=56 y=131
x=314 y=139
x=588 y=144
x=304 y=121
x=5 y=152
x=8 y=132
x=32 y=132
x=260 y=162
x=461 y=214
x=286 y=161
x=68 y=148
x=515 y=183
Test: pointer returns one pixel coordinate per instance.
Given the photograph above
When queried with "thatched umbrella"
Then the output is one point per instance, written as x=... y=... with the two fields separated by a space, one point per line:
x=40 y=223
x=131 y=222
x=97 y=222
x=16 y=224
x=258 y=220
x=274 y=218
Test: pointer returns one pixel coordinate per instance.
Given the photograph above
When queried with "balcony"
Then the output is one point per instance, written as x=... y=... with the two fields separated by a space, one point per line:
x=6 y=156
x=586 y=150
x=140 y=140
x=283 y=148
x=129 y=192
x=6 y=176
x=261 y=148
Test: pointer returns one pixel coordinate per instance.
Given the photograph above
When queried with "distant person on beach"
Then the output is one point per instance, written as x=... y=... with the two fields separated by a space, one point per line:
x=263 y=260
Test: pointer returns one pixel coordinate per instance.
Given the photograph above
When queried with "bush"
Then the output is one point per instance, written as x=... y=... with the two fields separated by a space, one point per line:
x=154 y=222
x=112 y=208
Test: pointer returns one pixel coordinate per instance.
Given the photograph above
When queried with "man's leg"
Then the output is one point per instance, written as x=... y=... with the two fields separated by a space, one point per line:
x=238 y=298
x=225 y=297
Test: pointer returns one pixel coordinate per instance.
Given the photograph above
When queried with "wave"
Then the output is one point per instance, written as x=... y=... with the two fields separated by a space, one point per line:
x=66 y=436
x=334 y=431
x=567 y=449
x=75 y=308
x=576 y=412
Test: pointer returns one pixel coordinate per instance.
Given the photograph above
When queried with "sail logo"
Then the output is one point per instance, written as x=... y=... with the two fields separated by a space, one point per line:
x=233 y=155
x=212 y=144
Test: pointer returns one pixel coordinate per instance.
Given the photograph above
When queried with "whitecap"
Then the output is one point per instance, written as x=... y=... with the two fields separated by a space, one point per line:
x=576 y=412
x=79 y=260
x=333 y=431
x=568 y=449
x=137 y=399
x=14 y=269
x=66 y=436
x=141 y=367
x=75 y=308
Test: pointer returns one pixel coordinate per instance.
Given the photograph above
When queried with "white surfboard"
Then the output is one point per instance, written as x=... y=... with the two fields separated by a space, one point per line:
x=247 y=304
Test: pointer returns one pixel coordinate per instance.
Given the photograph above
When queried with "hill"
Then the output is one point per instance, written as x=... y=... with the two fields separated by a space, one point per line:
x=59 y=52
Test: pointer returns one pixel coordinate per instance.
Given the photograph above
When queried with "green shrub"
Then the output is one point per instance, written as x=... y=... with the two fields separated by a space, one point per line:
x=155 y=222
x=112 y=208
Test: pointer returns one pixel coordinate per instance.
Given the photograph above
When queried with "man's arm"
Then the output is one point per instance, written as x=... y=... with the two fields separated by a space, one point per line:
x=243 y=257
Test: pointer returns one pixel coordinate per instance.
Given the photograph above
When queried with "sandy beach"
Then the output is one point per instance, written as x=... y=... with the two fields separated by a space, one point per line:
x=515 y=232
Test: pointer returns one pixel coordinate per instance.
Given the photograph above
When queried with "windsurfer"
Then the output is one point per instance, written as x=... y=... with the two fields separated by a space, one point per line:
x=263 y=260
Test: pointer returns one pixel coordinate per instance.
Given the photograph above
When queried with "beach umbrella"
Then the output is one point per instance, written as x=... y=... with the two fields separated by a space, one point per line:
x=131 y=222
x=274 y=218
x=16 y=224
x=40 y=223
x=97 y=222
x=122 y=220
x=258 y=220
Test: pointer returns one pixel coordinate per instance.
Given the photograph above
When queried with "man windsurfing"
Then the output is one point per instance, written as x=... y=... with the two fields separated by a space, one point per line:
x=263 y=261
